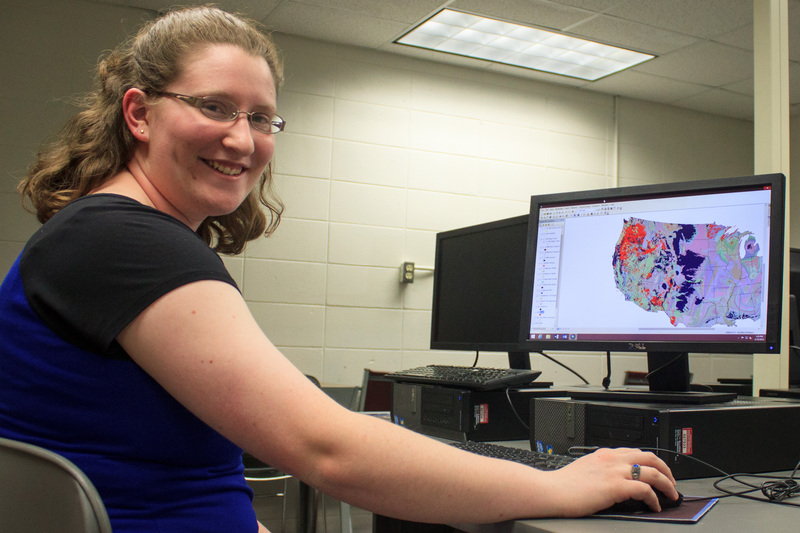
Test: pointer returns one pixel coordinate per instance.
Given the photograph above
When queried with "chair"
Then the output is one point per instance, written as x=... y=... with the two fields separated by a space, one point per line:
x=42 y=491
x=257 y=471
x=375 y=396
x=376 y=392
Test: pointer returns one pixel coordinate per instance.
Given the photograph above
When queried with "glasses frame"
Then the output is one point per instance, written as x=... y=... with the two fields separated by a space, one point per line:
x=277 y=124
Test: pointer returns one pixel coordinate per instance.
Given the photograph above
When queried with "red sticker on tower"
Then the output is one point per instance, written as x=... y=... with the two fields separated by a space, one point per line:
x=483 y=413
x=686 y=441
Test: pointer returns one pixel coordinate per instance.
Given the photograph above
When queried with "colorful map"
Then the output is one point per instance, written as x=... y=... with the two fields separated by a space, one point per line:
x=692 y=272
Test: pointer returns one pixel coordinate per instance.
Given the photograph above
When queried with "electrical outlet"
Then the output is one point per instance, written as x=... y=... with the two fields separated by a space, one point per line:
x=407 y=272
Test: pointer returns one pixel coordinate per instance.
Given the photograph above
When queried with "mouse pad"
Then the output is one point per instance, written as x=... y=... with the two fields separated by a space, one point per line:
x=688 y=512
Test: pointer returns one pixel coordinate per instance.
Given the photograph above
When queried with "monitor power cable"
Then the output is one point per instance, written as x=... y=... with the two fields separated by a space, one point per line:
x=559 y=363
x=607 y=379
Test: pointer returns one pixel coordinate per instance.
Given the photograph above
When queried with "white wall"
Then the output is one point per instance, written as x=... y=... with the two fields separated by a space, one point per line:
x=380 y=153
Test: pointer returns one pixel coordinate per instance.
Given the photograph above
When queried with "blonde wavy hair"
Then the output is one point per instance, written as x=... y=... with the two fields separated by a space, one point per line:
x=95 y=144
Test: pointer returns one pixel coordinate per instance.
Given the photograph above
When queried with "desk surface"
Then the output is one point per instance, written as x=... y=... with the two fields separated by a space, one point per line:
x=729 y=514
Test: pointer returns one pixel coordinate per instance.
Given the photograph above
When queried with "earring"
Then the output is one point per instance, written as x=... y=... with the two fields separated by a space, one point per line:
x=141 y=131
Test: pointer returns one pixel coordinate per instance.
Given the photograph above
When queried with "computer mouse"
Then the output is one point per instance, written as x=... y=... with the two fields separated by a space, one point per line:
x=632 y=506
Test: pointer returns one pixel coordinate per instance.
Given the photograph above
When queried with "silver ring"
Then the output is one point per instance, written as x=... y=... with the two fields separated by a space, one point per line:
x=636 y=471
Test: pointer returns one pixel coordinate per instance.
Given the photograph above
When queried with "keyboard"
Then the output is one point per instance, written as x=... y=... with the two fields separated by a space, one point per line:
x=469 y=377
x=538 y=460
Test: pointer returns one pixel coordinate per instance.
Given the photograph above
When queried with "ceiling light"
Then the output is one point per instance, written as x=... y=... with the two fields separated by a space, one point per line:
x=523 y=46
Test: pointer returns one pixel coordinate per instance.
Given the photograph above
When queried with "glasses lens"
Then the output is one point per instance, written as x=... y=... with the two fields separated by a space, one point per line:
x=267 y=123
x=218 y=109
x=261 y=122
x=277 y=124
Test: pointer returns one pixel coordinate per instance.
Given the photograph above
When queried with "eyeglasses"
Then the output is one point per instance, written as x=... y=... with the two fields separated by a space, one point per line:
x=217 y=108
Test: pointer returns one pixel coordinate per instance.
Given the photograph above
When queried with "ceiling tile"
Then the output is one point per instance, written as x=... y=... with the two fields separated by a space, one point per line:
x=333 y=25
x=706 y=18
x=701 y=44
x=633 y=35
x=744 y=87
x=643 y=86
x=597 y=6
x=720 y=102
x=709 y=63
x=409 y=11
x=740 y=38
x=530 y=12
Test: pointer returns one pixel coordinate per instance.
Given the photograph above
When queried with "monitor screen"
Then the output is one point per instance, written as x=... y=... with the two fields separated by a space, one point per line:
x=663 y=269
x=477 y=286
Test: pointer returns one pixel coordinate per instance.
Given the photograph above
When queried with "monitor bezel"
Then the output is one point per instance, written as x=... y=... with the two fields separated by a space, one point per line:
x=772 y=340
x=436 y=343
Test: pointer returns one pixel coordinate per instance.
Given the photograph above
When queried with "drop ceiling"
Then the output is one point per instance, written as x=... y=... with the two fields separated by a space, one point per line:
x=704 y=48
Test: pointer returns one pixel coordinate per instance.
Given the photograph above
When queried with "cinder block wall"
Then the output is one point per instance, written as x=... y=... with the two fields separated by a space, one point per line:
x=380 y=153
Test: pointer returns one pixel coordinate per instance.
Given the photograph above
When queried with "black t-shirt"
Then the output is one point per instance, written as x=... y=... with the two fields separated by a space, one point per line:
x=101 y=260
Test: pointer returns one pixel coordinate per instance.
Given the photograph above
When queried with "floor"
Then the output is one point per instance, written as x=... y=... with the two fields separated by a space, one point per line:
x=269 y=500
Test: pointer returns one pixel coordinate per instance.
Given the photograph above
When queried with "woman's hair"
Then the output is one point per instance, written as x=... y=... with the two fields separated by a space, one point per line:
x=96 y=143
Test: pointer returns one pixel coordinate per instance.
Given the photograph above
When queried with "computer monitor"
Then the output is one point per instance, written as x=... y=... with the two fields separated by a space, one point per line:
x=794 y=317
x=662 y=269
x=477 y=289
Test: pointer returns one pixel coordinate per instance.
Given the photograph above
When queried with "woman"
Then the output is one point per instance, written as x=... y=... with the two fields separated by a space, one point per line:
x=128 y=348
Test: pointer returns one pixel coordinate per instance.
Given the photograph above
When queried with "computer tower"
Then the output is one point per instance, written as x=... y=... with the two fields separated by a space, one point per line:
x=462 y=414
x=745 y=435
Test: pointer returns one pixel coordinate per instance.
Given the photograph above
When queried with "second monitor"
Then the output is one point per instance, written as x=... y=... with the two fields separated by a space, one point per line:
x=477 y=286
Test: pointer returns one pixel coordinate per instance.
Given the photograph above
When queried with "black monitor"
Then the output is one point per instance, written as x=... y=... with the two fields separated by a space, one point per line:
x=794 y=317
x=477 y=284
x=663 y=269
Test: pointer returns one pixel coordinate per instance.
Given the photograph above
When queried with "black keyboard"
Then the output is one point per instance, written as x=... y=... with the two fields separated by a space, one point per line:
x=538 y=460
x=469 y=377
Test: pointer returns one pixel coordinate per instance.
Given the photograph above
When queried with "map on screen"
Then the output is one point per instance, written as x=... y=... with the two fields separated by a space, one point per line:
x=699 y=275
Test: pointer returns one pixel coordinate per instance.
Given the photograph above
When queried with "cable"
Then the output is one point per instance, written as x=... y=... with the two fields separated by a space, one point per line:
x=477 y=355
x=514 y=410
x=779 y=490
x=607 y=379
x=775 y=490
x=665 y=365
x=559 y=363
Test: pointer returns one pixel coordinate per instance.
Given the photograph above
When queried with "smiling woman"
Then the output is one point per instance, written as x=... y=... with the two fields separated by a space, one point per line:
x=126 y=346
x=188 y=164
x=96 y=146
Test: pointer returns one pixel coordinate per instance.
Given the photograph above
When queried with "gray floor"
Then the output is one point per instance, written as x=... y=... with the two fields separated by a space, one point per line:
x=268 y=504
x=269 y=507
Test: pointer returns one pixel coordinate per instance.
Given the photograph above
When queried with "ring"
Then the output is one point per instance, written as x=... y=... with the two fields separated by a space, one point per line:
x=636 y=471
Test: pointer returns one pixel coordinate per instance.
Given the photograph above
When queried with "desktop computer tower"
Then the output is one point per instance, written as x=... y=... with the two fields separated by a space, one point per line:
x=460 y=414
x=746 y=435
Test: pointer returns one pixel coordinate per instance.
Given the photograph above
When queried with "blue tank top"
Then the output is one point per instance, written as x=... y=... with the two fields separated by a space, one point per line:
x=66 y=385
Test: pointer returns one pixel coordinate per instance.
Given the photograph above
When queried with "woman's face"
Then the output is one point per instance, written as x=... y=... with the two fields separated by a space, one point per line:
x=198 y=166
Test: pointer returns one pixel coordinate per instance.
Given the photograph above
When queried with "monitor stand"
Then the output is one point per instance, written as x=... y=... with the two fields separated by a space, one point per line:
x=668 y=378
x=520 y=360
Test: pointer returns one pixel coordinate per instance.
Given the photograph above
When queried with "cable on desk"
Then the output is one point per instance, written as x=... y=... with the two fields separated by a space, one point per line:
x=774 y=490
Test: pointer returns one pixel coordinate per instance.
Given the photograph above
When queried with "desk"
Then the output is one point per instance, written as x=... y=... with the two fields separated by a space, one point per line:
x=728 y=515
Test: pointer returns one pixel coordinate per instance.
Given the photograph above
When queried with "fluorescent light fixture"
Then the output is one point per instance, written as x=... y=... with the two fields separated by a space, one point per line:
x=522 y=46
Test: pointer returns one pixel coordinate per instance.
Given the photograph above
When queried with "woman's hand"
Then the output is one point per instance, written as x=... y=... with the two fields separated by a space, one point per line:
x=605 y=477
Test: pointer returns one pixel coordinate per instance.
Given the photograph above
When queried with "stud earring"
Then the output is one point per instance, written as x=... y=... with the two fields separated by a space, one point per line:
x=141 y=131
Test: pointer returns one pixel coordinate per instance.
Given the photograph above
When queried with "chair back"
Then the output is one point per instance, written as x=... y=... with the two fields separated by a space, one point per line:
x=376 y=391
x=42 y=491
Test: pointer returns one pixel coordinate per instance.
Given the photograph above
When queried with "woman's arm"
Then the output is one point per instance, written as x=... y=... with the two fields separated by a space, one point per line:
x=201 y=343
